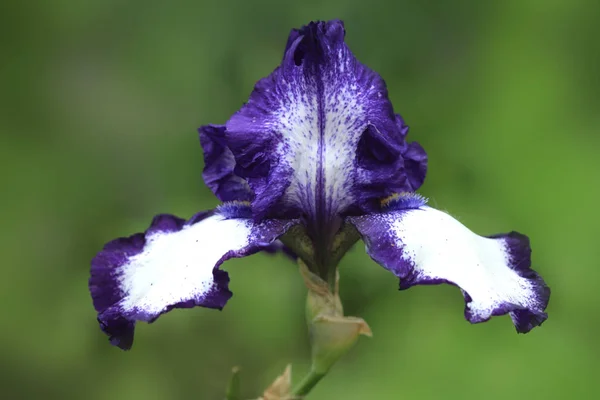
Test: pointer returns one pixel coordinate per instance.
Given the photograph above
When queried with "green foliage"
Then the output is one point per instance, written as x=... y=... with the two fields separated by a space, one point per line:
x=99 y=105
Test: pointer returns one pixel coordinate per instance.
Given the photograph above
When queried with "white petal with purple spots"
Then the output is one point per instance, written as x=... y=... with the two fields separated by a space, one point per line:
x=177 y=266
x=298 y=139
x=427 y=246
x=174 y=264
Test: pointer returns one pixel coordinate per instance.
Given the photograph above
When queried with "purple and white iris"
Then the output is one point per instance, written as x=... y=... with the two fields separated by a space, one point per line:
x=315 y=160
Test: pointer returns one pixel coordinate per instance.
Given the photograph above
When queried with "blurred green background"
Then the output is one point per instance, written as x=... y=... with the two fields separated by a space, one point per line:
x=99 y=105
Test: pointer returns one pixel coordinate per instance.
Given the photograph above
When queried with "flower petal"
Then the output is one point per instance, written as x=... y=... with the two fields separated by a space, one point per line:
x=174 y=264
x=422 y=245
x=303 y=141
x=219 y=165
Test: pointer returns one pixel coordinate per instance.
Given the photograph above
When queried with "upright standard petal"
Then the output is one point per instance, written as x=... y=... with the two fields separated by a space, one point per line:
x=219 y=165
x=422 y=245
x=174 y=264
x=319 y=136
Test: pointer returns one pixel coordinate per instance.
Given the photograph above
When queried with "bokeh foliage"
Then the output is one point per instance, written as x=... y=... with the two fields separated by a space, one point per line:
x=99 y=105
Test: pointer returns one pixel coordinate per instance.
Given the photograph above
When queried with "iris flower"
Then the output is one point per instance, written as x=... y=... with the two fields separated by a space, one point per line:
x=314 y=161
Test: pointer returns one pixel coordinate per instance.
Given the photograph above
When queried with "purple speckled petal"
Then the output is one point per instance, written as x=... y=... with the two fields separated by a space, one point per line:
x=422 y=245
x=319 y=136
x=219 y=165
x=174 y=264
x=415 y=165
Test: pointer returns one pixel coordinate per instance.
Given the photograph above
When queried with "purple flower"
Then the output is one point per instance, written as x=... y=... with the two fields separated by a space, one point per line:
x=315 y=160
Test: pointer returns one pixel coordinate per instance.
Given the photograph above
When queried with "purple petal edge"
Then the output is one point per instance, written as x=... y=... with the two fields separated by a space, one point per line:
x=384 y=237
x=319 y=137
x=523 y=319
x=106 y=293
x=117 y=315
x=219 y=166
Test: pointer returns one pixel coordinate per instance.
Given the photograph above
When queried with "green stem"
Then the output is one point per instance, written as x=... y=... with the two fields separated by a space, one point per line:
x=308 y=383
x=233 y=389
x=332 y=279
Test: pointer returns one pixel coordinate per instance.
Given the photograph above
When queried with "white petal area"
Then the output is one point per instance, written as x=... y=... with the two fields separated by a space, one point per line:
x=443 y=248
x=178 y=266
x=428 y=246
x=320 y=132
x=305 y=122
